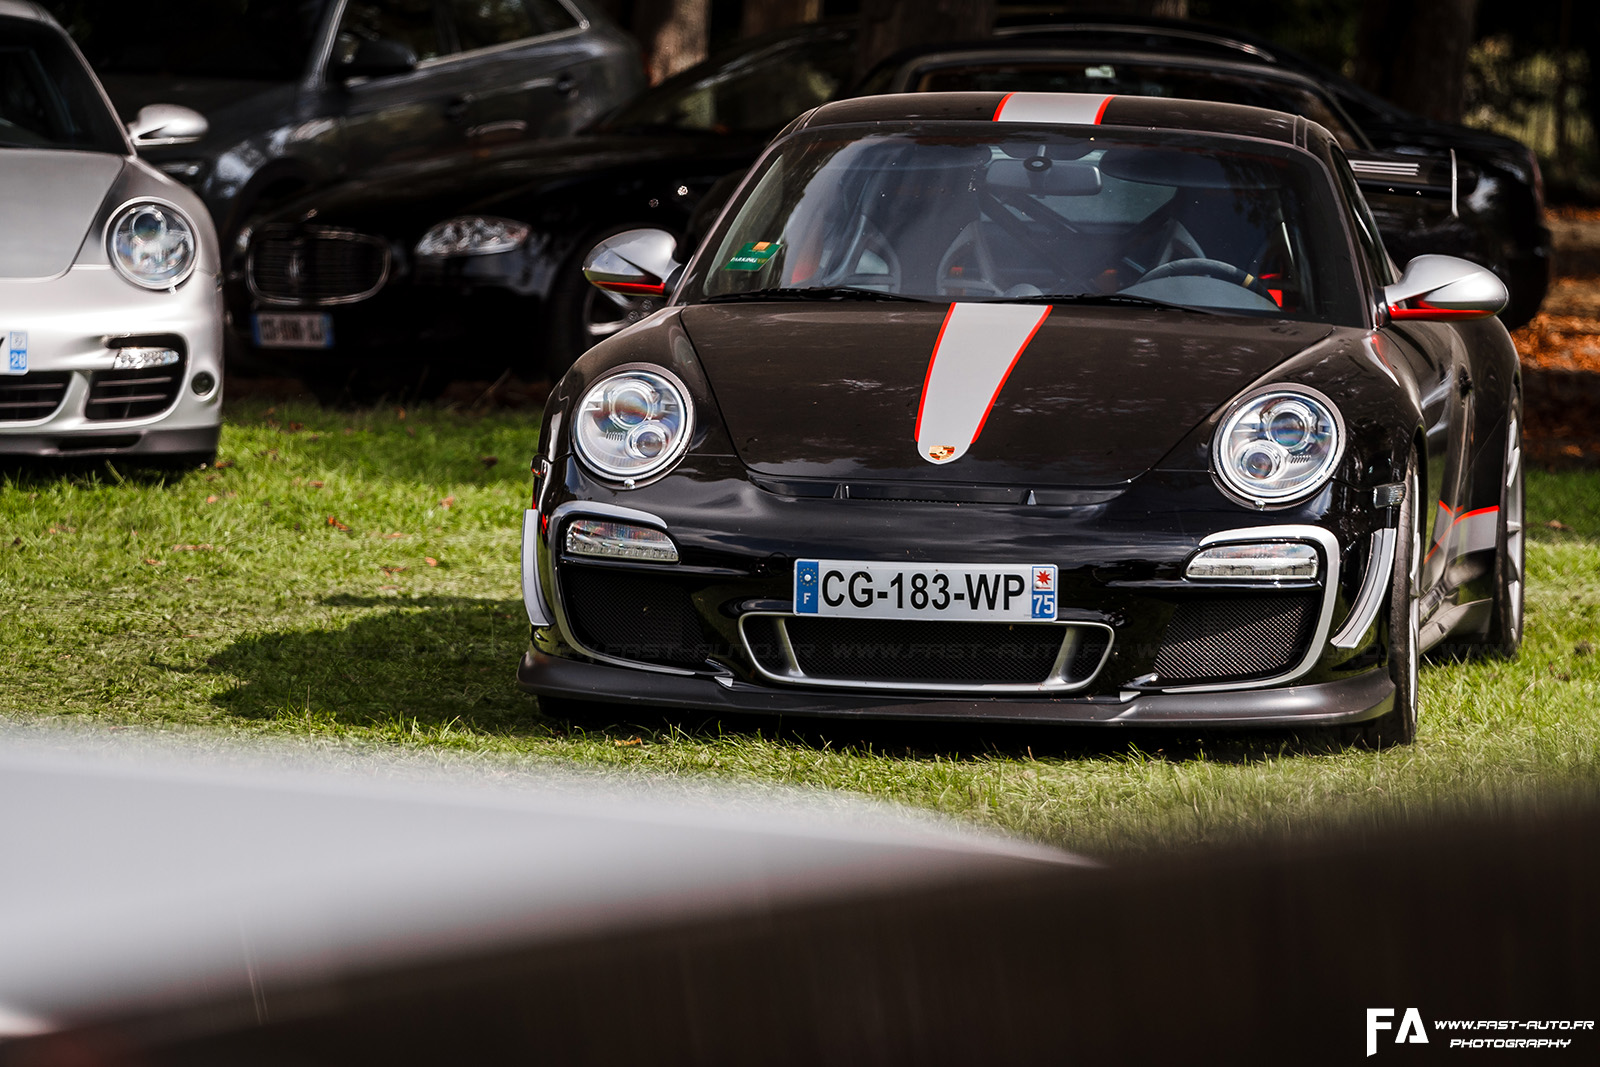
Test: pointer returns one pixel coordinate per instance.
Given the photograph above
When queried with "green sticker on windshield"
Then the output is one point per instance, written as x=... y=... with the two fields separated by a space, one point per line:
x=754 y=255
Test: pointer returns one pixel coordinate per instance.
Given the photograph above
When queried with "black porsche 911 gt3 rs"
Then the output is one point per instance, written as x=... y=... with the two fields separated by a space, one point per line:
x=1032 y=407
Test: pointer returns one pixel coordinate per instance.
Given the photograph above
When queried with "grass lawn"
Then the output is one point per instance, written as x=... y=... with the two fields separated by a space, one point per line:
x=352 y=578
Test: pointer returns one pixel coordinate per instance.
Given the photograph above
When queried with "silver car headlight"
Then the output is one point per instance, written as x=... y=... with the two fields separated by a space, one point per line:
x=1279 y=444
x=472 y=235
x=633 y=424
x=152 y=245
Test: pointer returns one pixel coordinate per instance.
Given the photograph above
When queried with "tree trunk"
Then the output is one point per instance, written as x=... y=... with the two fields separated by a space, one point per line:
x=1414 y=52
x=887 y=26
x=762 y=16
x=673 y=33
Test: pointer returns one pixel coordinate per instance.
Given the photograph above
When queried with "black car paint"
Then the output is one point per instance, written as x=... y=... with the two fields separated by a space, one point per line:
x=269 y=139
x=742 y=511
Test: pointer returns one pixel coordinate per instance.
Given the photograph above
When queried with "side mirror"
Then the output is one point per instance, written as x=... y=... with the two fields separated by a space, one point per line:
x=378 y=59
x=634 y=262
x=1441 y=288
x=167 y=124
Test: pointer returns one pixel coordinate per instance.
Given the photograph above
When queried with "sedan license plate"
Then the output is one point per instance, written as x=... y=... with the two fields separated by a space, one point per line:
x=958 y=592
x=297 y=329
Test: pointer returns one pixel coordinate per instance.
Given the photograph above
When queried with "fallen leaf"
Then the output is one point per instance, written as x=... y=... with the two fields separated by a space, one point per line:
x=191 y=579
x=488 y=461
x=393 y=536
x=212 y=477
x=388 y=587
x=448 y=502
x=153 y=562
x=391 y=570
x=223 y=464
x=411 y=431
x=271 y=411
x=211 y=499
x=348 y=430
x=336 y=523
x=400 y=413
x=63 y=529
x=316 y=485
x=630 y=741
x=15 y=541
x=430 y=561
x=191 y=548
x=1557 y=524
x=296 y=427
x=314 y=437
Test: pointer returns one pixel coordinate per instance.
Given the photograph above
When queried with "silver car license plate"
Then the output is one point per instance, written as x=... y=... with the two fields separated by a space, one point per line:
x=959 y=592
x=293 y=329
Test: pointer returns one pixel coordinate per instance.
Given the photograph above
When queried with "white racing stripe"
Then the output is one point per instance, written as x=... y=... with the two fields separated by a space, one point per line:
x=1072 y=109
x=977 y=347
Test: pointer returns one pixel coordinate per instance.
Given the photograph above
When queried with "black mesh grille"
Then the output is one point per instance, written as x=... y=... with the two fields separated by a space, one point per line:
x=909 y=650
x=317 y=267
x=634 y=616
x=1236 y=638
x=133 y=394
x=33 y=395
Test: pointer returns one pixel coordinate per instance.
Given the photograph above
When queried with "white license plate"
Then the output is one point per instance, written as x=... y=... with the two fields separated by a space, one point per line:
x=958 y=592
x=297 y=329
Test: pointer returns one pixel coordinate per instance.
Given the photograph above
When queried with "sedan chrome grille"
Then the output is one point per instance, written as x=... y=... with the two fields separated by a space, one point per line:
x=35 y=395
x=316 y=267
x=931 y=654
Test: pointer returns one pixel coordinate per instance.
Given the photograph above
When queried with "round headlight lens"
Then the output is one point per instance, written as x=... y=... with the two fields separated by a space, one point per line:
x=633 y=425
x=153 y=245
x=1279 y=445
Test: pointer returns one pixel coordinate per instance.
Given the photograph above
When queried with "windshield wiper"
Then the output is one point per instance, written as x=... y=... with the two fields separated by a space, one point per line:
x=1107 y=299
x=818 y=292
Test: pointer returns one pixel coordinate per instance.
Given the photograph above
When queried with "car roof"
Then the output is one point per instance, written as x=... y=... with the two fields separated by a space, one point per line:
x=1070 y=109
x=1027 y=49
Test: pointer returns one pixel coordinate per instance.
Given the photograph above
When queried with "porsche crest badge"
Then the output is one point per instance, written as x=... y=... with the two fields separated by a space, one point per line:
x=939 y=453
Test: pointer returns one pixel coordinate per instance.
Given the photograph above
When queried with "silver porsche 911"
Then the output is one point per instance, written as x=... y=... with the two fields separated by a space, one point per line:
x=110 y=310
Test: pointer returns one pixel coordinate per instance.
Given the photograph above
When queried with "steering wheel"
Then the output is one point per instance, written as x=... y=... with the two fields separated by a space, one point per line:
x=1208 y=268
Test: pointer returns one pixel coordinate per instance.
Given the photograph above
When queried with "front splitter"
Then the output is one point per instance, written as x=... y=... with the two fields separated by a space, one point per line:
x=1354 y=699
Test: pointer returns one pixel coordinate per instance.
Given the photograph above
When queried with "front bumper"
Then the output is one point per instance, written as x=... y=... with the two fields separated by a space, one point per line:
x=1121 y=556
x=1353 y=699
x=75 y=323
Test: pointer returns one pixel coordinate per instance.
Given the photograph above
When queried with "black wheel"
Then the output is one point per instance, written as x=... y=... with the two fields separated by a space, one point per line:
x=1504 y=636
x=582 y=316
x=1403 y=624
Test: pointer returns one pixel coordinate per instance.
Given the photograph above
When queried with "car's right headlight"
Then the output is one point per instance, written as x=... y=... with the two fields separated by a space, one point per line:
x=152 y=245
x=633 y=424
x=1278 y=444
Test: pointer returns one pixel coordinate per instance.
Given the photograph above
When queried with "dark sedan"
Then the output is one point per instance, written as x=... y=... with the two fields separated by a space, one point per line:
x=1102 y=409
x=299 y=94
x=399 y=281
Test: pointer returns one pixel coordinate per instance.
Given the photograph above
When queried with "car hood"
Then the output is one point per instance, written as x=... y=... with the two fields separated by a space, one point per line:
x=51 y=199
x=1097 y=396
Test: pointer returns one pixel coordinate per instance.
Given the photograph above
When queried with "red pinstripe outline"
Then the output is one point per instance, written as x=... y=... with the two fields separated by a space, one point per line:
x=1001 y=106
x=1480 y=511
x=917 y=434
x=979 y=431
x=1098 y=115
x=1459 y=520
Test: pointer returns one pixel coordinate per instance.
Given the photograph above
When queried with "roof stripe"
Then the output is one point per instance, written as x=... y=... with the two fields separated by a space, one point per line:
x=1069 y=109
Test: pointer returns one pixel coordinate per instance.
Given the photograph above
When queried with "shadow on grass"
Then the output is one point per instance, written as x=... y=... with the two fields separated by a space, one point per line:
x=434 y=663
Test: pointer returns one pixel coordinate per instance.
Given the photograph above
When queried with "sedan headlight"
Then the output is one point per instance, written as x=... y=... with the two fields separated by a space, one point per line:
x=472 y=235
x=1278 y=445
x=633 y=425
x=152 y=245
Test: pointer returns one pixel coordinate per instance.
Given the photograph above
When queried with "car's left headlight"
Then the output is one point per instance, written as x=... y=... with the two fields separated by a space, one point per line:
x=1278 y=444
x=472 y=235
x=152 y=245
x=633 y=424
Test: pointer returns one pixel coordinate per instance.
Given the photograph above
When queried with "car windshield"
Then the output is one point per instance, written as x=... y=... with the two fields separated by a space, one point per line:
x=959 y=211
x=259 y=40
x=1136 y=79
x=757 y=92
x=47 y=98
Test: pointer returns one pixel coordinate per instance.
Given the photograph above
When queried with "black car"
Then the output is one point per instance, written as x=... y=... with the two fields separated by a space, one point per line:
x=479 y=260
x=1042 y=407
x=298 y=94
x=1501 y=220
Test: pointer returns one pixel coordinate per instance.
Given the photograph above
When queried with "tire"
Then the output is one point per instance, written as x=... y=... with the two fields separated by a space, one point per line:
x=1504 y=636
x=1398 y=726
x=582 y=316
